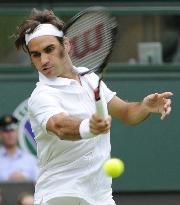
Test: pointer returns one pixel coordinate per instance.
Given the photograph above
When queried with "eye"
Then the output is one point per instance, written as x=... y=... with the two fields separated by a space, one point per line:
x=35 y=54
x=49 y=49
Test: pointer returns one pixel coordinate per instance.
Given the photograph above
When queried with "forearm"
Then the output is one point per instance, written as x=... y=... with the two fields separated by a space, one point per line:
x=64 y=126
x=72 y=128
x=135 y=113
x=130 y=113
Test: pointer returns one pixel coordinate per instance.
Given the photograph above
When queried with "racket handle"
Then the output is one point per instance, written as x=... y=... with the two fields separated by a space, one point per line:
x=100 y=109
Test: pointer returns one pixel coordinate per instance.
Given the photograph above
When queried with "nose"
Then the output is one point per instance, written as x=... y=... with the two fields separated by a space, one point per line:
x=44 y=59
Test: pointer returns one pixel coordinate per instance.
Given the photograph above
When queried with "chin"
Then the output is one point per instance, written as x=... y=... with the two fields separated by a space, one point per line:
x=50 y=75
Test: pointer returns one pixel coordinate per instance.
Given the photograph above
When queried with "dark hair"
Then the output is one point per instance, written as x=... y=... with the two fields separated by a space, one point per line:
x=22 y=196
x=36 y=17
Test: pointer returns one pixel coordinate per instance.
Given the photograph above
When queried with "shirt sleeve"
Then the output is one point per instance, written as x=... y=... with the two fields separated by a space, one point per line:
x=108 y=94
x=93 y=81
x=42 y=106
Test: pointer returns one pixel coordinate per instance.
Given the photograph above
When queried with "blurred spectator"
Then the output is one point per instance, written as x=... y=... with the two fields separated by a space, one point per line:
x=171 y=39
x=15 y=164
x=170 y=44
x=25 y=198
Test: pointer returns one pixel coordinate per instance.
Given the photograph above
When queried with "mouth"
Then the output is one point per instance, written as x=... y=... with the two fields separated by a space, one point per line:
x=47 y=68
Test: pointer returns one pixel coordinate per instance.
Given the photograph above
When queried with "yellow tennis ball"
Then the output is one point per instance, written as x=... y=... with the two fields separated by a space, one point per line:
x=114 y=167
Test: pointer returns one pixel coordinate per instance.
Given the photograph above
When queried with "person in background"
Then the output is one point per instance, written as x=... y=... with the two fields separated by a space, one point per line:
x=15 y=163
x=25 y=198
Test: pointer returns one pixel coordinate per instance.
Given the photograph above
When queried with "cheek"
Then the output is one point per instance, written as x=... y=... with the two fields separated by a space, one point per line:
x=62 y=54
x=35 y=64
x=58 y=58
x=9 y=139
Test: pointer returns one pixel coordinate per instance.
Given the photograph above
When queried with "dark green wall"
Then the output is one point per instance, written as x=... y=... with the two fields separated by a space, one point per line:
x=150 y=150
x=86 y=1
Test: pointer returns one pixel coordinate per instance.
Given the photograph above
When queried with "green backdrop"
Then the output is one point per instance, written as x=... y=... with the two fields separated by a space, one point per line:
x=150 y=150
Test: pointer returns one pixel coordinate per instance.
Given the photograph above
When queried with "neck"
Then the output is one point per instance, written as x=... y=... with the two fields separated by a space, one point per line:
x=11 y=150
x=73 y=75
x=69 y=72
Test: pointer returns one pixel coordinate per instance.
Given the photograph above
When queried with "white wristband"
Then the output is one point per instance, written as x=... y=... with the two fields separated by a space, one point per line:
x=84 y=130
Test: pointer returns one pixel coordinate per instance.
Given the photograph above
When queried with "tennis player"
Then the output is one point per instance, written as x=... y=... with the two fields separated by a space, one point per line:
x=72 y=141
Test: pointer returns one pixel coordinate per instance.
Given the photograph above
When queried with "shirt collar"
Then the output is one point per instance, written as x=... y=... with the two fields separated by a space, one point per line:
x=59 y=80
x=54 y=81
x=3 y=152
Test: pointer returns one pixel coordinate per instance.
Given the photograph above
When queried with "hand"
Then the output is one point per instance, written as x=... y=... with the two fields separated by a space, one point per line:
x=99 y=125
x=159 y=103
x=17 y=176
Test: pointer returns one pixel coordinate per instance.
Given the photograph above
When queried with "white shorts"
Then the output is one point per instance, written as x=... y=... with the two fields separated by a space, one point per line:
x=69 y=201
x=66 y=201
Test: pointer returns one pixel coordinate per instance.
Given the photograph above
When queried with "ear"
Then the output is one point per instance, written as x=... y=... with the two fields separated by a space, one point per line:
x=67 y=44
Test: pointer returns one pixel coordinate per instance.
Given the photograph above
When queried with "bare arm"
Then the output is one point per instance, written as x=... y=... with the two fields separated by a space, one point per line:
x=67 y=127
x=64 y=126
x=136 y=112
x=130 y=113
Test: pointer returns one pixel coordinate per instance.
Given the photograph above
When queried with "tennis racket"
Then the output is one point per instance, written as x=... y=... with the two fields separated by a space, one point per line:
x=92 y=34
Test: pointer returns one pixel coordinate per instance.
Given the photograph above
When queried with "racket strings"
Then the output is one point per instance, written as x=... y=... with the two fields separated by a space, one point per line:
x=92 y=38
x=95 y=56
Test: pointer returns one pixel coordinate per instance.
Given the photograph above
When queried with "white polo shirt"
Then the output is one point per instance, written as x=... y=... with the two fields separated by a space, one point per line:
x=69 y=168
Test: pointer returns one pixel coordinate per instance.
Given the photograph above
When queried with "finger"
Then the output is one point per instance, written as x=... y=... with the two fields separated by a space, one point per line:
x=95 y=118
x=165 y=94
x=99 y=126
x=106 y=131
x=102 y=126
x=103 y=122
x=108 y=120
x=167 y=103
x=96 y=131
x=168 y=110
x=153 y=96
x=163 y=114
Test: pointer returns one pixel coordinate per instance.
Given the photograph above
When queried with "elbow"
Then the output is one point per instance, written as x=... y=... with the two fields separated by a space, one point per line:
x=55 y=127
x=60 y=131
x=64 y=127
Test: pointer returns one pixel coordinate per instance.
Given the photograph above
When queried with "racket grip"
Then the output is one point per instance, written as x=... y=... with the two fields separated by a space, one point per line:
x=100 y=109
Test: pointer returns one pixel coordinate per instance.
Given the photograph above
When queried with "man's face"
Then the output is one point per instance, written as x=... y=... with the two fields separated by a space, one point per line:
x=9 y=138
x=48 y=55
